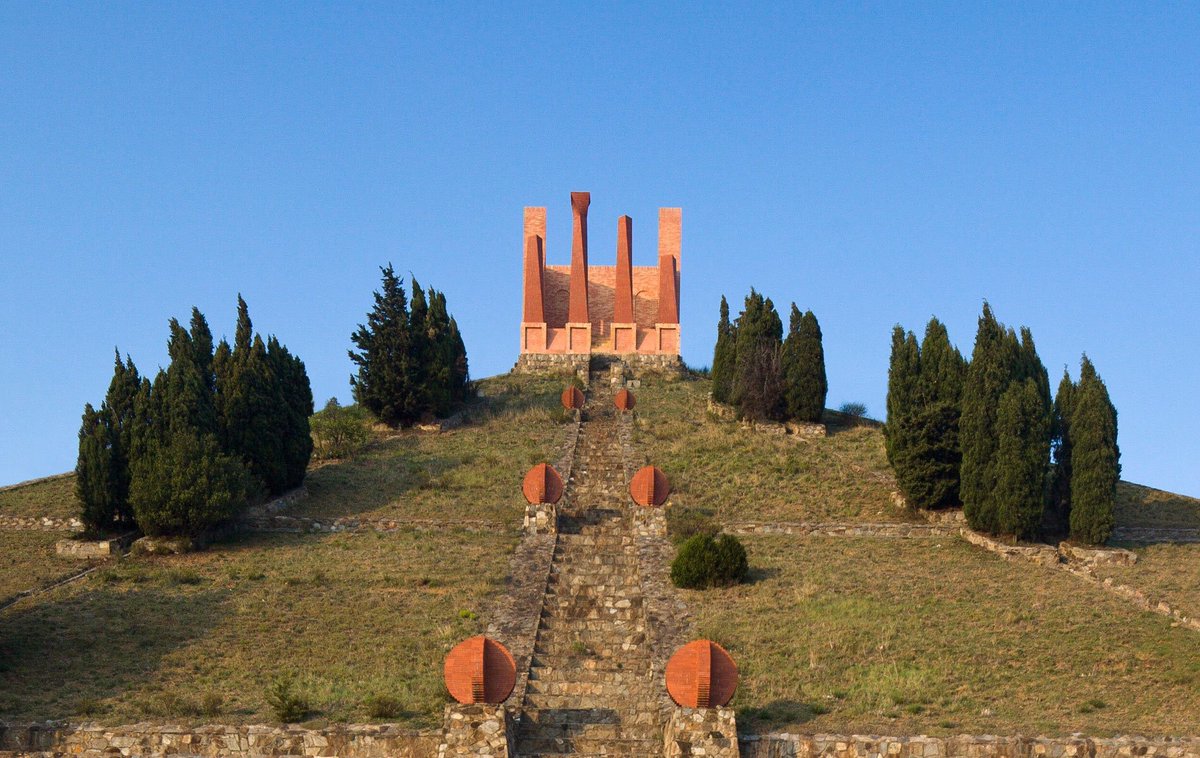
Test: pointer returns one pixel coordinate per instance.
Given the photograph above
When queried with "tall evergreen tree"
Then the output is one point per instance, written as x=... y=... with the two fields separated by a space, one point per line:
x=460 y=374
x=803 y=362
x=1022 y=449
x=903 y=395
x=383 y=384
x=1095 y=458
x=95 y=471
x=943 y=369
x=758 y=384
x=294 y=411
x=724 y=357
x=1060 y=442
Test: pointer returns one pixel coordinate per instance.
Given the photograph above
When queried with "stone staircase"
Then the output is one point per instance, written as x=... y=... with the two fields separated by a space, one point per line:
x=591 y=688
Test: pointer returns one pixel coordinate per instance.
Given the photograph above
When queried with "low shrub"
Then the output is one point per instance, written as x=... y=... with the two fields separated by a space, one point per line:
x=384 y=707
x=287 y=703
x=704 y=561
x=339 y=432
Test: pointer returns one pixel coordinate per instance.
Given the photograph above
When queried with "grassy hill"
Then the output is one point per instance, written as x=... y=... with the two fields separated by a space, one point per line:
x=831 y=634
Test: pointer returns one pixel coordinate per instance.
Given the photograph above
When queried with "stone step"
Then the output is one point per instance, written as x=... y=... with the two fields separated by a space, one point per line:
x=603 y=722
x=599 y=671
x=614 y=691
x=622 y=704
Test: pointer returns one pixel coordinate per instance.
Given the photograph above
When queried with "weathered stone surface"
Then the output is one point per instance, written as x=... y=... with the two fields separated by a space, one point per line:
x=345 y=740
x=94 y=549
x=962 y=746
x=708 y=732
x=41 y=523
x=1096 y=556
x=478 y=729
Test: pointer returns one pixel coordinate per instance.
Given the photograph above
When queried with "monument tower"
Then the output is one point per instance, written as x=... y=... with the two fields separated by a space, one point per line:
x=582 y=309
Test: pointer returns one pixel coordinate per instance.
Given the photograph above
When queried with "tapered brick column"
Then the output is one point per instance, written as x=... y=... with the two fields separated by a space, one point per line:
x=624 y=327
x=670 y=237
x=579 y=322
x=533 y=315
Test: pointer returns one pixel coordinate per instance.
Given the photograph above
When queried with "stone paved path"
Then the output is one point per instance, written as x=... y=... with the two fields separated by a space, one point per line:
x=591 y=688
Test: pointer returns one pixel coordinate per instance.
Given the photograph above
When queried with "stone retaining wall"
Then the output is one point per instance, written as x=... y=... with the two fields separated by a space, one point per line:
x=94 y=549
x=553 y=364
x=346 y=741
x=966 y=746
x=41 y=523
x=837 y=529
x=480 y=730
x=304 y=524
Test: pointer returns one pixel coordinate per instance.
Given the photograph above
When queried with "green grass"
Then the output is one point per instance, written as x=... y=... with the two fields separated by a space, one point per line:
x=473 y=472
x=355 y=616
x=1142 y=506
x=934 y=636
x=55 y=497
x=27 y=561
x=745 y=475
x=1164 y=572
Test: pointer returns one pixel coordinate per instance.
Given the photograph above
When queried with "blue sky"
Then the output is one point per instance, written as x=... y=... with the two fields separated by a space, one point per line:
x=877 y=163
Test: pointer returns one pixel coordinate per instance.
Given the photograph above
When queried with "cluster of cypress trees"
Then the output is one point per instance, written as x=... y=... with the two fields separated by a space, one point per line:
x=924 y=404
x=412 y=362
x=981 y=433
x=764 y=375
x=188 y=450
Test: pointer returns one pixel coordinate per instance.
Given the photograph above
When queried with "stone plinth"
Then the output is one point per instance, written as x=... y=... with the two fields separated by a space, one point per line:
x=708 y=732
x=541 y=518
x=90 y=549
x=479 y=730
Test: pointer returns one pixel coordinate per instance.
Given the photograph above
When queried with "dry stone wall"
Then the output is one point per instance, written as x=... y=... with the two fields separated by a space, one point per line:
x=708 y=732
x=964 y=746
x=345 y=741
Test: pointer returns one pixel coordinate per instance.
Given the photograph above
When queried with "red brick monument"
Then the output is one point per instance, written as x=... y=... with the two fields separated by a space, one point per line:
x=580 y=310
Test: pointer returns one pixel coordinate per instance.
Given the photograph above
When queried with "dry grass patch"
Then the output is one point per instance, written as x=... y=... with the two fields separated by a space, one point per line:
x=1141 y=506
x=55 y=497
x=27 y=561
x=473 y=472
x=1164 y=572
x=744 y=475
x=933 y=636
x=355 y=616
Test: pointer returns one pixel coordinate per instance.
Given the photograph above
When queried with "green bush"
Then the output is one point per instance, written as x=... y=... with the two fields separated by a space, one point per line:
x=704 y=561
x=339 y=431
x=385 y=707
x=288 y=704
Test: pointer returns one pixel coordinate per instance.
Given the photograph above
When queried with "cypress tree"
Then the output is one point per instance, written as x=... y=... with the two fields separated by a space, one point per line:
x=922 y=431
x=441 y=354
x=903 y=398
x=804 y=372
x=460 y=374
x=383 y=383
x=757 y=382
x=295 y=393
x=1060 y=488
x=993 y=367
x=422 y=354
x=95 y=471
x=1022 y=449
x=943 y=369
x=1095 y=458
x=724 y=357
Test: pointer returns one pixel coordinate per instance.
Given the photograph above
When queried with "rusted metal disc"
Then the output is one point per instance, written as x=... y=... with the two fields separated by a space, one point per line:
x=701 y=675
x=542 y=484
x=625 y=400
x=572 y=398
x=649 y=487
x=480 y=670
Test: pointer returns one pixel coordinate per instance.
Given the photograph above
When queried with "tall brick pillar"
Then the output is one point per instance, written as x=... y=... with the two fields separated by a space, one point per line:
x=579 y=322
x=533 y=314
x=670 y=237
x=624 y=327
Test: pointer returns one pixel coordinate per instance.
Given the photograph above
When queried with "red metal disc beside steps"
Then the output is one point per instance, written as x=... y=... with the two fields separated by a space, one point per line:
x=480 y=670
x=542 y=484
x=624 y=400
x=649 y=487
x=701 y=675
x=572 y=398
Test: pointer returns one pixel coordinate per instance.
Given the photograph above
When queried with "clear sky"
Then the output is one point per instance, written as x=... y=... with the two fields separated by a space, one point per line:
x=877 y=163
